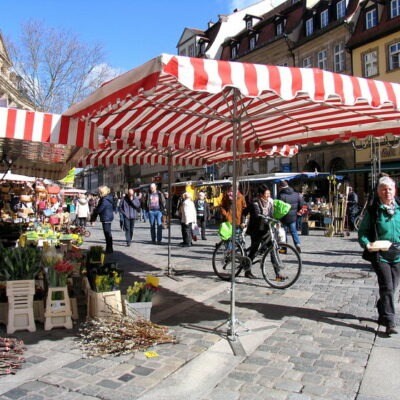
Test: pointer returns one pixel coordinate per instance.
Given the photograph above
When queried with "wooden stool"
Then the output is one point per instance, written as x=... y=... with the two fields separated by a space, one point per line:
x=20 y=306
x=58 y=312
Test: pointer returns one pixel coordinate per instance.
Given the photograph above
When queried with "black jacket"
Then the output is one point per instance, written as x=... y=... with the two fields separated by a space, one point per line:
x=105 y=208
x=207 y=214
x=161 y=199
x=256 y=223
x=288 y=195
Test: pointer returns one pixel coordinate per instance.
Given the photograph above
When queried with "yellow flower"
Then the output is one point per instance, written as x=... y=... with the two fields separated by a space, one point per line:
x=152 y=280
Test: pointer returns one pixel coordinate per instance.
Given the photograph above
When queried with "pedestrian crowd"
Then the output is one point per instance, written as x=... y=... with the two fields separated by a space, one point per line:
x=378 y=235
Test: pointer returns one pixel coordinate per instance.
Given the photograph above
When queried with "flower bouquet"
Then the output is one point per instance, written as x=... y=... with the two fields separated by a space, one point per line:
x=139 y=296
x=107 y=283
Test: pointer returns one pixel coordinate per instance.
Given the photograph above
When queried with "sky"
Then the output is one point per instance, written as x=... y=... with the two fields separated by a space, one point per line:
x=131 y=31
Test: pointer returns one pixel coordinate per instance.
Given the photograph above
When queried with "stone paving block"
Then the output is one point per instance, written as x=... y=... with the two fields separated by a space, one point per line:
x=76 y=364
x=315 y=389
x=109 y=384
x=53 y=391
x=257 y=361
x=222 y=395
x=33 y=386
x=126 y=377
x=272 y=372
x=90 y=390
x=288 y=385
x=15 y=394
x=33 y=397
x=35 y=359
x=298 y=396
x=142 y=371
x=241 y=376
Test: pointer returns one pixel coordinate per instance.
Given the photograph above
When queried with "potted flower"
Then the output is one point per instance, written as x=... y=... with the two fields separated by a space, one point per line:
x=139 y=297
x=19 y=266
x=96 y=255
x=104 y=296
x=58 y=304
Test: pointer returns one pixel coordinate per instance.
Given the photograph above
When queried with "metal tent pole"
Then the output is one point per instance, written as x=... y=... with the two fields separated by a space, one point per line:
x=169 y=211
x=232 y=332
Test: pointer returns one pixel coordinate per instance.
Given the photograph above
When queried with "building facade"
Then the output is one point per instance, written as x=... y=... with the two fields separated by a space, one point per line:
x=11 y=90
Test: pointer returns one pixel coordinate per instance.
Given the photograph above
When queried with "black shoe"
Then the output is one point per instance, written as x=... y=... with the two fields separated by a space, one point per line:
x=248 y=274
x=391 y=330
x=298 y=248
x=204 y=238
x=159 y=242
x=184 y=245
x=128 y=245
x=109 y=251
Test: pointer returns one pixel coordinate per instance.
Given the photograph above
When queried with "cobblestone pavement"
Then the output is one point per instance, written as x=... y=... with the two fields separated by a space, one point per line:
x=312 y=341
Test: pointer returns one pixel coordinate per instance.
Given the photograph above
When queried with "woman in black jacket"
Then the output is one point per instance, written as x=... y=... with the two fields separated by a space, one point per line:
x=105 y=210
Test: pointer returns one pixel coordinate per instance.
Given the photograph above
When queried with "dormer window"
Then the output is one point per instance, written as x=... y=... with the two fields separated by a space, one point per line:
x=252 y=42
x=279 y=28
x=341 y=9
x=371 y=18
x=234 y=50
x=394 y=8
x=324 y=19
x=249 y=23
x=202 y=47
x=309 y=27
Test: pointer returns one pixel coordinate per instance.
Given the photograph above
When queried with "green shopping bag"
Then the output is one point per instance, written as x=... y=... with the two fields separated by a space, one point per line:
x=280 y=209
x=225 y=230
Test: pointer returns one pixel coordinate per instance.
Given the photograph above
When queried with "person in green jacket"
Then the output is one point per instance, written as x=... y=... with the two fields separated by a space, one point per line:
x=382 y=222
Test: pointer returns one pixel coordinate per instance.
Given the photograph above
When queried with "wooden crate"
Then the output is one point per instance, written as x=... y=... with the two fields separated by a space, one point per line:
x=103 y=304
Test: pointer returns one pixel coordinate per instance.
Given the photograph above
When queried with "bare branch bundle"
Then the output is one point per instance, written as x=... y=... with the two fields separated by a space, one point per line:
x=116 y=335
x=10 y=355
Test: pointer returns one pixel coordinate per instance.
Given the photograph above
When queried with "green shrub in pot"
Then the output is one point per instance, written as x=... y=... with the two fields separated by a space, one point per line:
x=21 y=263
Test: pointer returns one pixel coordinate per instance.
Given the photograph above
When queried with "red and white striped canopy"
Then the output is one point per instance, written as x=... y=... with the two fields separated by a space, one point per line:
x=120 y=154
x=181 y=103
x=42 y=144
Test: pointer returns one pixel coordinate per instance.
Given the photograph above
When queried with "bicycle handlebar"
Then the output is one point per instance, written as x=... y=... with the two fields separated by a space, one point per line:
x=271 y=219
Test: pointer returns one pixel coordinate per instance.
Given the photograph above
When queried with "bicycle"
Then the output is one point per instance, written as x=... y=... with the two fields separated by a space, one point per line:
x=222 y=257
x=280 y=262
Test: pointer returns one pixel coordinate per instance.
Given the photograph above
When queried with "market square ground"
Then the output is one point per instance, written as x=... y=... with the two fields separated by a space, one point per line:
x=316 y=340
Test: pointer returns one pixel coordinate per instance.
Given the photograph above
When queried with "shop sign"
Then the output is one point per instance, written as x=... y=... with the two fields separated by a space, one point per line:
x=156 y=178
x=387 y=154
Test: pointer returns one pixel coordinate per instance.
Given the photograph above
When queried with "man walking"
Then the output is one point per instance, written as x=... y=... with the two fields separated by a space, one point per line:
x=203 y=213
x=288 y=195
x=155 y=205
x=128 y=208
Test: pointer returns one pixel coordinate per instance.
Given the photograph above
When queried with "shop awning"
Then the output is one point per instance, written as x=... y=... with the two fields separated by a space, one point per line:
x=42 y=144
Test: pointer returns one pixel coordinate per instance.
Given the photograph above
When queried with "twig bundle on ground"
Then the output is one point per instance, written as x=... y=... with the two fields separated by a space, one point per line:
x=116 y=335
x=10 y=355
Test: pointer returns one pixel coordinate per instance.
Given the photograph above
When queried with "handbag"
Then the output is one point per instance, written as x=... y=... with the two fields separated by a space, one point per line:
x=370 y=256
x=195 y=230
x=225 y=230
x=392 y=254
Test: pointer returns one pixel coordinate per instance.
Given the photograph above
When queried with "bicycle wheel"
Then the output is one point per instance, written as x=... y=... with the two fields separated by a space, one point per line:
x=222 y=259
x=281 y=268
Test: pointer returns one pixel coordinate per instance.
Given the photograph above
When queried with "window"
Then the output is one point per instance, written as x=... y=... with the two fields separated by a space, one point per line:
x=182 y=52
x=338 y=57
x=322 y=59
x=279 y=29
x=324 y=18
x=234 y=51
x=249 y=23
x=309 y=27
x=394 y=8
x=202 y=47
x=307 y=62
x=371 y=19
x=340 y=9
x=394 y=56
x=191 y=50
x=283 y=64
x=252 y=42
x=370 y=61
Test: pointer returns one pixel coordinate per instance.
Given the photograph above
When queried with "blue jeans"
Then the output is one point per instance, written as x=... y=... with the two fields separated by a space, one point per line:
x=155 y=219
x=293 y=231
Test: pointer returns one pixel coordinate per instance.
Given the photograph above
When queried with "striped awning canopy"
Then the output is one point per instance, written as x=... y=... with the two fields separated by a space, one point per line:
x=189 y=103
x=42 y=144
x=117 y=153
